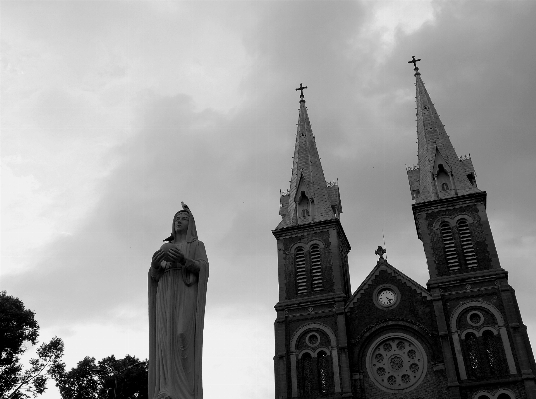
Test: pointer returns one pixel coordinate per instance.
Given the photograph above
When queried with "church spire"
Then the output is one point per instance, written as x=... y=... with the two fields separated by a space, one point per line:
x=440 y=173
x=310 y=198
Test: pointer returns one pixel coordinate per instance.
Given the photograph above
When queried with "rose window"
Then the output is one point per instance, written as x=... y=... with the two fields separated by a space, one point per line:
x=396 y=363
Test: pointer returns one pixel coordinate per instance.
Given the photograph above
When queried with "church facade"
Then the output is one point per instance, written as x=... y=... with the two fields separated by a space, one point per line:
x=460 y=337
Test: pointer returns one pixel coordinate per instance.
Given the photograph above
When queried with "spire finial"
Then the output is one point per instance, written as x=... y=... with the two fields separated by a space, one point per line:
x=380 y=251
x=301 y=88
x=414 y=62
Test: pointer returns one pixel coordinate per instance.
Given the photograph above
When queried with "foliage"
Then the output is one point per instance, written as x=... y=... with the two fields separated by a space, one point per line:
x=17 y=326
x=110 y=378
x=81 y=382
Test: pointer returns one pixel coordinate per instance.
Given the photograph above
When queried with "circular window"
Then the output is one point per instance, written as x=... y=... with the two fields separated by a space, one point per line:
x=396 y=363
x=313 y=339
x=475 y=318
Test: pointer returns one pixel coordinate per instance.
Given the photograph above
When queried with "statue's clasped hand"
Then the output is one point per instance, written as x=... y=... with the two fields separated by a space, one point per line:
x=158 y=257
x=175 y=255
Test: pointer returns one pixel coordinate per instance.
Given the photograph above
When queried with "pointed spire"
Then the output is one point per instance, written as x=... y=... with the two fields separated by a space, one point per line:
x=440 y=172
x=310 y=198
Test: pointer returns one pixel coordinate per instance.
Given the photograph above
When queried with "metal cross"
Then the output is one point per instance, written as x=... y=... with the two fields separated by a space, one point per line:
x=414 y=62
x=301 y=89
x=380 y=251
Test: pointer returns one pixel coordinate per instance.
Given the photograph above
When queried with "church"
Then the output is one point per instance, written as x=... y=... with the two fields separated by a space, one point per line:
x=461 y=336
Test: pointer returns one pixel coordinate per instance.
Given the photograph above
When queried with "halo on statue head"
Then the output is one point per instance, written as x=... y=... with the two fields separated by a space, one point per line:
x=191 y=234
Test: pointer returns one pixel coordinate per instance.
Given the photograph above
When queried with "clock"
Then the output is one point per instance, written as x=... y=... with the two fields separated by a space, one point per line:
x=387 y=297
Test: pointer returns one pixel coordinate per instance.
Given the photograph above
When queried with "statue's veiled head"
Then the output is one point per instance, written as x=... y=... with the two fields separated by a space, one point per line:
x=183 y=221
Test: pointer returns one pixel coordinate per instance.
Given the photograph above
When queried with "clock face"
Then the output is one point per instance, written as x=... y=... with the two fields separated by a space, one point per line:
x=387 y=297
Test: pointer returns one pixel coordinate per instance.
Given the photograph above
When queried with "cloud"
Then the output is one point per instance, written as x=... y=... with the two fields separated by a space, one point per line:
x=167 y=102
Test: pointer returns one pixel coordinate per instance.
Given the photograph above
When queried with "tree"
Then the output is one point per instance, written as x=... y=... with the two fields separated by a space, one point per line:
x=124 y=378
x=109 y=378
x=81 y=382
x=18 y=326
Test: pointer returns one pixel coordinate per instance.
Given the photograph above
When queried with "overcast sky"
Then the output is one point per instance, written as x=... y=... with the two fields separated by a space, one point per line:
x=112 y=113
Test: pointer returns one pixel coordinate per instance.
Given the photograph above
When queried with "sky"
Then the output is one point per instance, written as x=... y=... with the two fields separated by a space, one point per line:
x=113 y=112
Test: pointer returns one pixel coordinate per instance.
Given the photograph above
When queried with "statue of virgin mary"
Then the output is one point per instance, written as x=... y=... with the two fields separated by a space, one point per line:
x=177 y=293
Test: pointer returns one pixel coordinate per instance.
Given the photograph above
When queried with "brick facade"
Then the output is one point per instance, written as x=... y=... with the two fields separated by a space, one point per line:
x=460 y=337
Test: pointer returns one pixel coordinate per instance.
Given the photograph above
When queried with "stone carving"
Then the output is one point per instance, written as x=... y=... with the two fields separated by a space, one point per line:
x=177 y=293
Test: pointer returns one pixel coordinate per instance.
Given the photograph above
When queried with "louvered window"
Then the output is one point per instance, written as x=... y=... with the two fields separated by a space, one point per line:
x=316 y=268
x=450 y=248
x=466 y=243
x=301 y=276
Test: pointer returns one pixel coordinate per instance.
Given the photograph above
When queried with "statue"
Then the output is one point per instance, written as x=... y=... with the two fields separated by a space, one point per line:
x=177 y=293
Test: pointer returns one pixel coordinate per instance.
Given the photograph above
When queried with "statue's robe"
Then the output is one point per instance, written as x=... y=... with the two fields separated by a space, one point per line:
x=176 y=315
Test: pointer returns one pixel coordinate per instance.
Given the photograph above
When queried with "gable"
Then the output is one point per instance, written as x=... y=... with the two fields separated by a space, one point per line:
x=382 y=265
x=390 y=300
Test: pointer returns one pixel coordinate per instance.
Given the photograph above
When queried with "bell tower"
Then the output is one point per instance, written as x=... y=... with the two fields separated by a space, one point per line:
x=484 y=341
x=311 y=356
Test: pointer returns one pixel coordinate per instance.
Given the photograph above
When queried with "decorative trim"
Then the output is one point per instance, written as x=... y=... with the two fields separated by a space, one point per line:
x=508 y=392
x=479 y=333
x=411 y=324
x=304 y=351
x=307 y=246
x=291 y=231
x=309 y=326
x=292 y=249
x=476 y=303
x=452 y=221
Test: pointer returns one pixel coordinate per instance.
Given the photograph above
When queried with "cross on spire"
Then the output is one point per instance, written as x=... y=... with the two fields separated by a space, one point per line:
x=380 y=251
x=414 y=62
x=301 y=88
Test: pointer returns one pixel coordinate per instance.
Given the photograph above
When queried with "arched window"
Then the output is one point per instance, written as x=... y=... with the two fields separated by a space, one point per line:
x=449 y=246
x=492 y=351
x=324 y=373
x=504 y=396
x=316 y=268
x=307 y=375
x=301 y=275
x=472 y=355
x=466 y=243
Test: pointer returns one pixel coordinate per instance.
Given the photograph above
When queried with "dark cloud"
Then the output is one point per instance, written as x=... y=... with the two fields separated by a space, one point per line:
x=477 y=65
